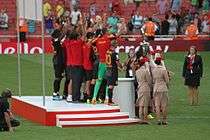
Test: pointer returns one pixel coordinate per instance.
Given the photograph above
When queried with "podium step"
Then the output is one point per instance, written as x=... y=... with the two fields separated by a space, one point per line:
x=89 y=117
x=97 y=122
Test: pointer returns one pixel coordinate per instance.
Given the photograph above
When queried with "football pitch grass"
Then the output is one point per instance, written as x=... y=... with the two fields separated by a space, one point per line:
x=185 y=122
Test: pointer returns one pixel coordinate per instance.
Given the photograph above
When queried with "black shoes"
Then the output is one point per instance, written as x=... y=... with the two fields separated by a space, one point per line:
x=162 y=123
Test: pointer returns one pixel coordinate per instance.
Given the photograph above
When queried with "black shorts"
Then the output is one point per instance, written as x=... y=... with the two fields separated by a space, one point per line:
x=68 y=72
x=88 y=75
x=111 y=77
x=59 y=70
x=95 y=70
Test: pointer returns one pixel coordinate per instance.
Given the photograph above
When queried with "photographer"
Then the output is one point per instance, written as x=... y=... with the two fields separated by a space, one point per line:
x=7 y=121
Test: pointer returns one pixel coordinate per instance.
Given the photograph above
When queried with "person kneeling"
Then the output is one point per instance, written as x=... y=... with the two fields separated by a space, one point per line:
x=7 y=120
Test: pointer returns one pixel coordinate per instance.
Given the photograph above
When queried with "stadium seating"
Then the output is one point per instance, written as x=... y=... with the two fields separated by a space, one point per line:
x=10 y=5
x=126 y=11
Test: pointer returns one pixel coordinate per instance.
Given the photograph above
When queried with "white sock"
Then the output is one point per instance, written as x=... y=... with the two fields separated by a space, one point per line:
x=69 y=98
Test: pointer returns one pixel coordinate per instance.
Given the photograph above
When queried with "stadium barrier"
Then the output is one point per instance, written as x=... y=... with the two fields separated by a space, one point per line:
x=8 y=44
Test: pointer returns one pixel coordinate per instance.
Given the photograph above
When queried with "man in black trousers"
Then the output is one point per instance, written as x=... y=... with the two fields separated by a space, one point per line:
x=74 y=61
x=59 y=62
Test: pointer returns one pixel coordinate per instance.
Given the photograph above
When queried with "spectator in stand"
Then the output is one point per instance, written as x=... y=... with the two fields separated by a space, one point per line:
x=157 y=22
x=205 y=25
x=46 y=8
x=149 y=29
x=137 y=3
x=110 y=6
x=75 y=16
x=93 y=9
x=200 y=4
x=126 y=2
x=104 y=18
x=116 y=7
x=59 y=9
x=165 y=26
x=130 y=24
x=191 y=15
x=206 y=4
x=122 y=27
x=49 y=24
x=197 y=21
x=3 y=19
x=194 y=3
x=137 y=21
x=23 y=29
x=181 y=21
x=162 y=6
x=112 y=23
x=31 y=26
x=98 y=23
x=66 y=22
x=176 y=5
x=173 y=25
x=191 y=31
x=74 y=3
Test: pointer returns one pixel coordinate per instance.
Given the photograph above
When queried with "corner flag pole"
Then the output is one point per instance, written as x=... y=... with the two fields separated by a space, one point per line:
x=43 y=59
x=18 y=51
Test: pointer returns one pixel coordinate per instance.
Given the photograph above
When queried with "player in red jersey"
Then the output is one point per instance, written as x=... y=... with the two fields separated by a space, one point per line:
x=74 y=61
x=103 y=43
x=88 y=60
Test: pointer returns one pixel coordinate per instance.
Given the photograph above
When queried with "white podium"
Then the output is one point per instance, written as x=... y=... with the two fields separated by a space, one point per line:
x=124 y=95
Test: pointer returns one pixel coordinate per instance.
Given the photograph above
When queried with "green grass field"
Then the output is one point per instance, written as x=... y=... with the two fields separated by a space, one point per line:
x=185 y=122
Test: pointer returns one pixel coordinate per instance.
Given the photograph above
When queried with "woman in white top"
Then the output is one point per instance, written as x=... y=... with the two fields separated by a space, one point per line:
x=173 y=24
x=205 y=25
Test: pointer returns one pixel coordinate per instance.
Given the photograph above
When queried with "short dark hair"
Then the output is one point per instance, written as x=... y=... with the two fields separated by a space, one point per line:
x=157 y=62
x=73 y=35
x=98 y=32
x=89 y=35
x=166 y=16
x=150 y=19
x=6 y=93
x=173 y=16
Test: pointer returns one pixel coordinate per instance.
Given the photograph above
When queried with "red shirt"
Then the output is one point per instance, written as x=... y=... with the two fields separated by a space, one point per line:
x=103 y=44
x=87 y=63
x=74 y=52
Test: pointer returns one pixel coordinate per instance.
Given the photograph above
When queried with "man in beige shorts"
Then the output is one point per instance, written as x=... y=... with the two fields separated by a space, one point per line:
x=144 y=85
x=160 y=91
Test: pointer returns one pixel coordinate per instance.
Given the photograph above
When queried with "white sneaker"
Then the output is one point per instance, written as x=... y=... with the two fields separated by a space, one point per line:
x=69 y=98
x=56 y=97
x=55 y=94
